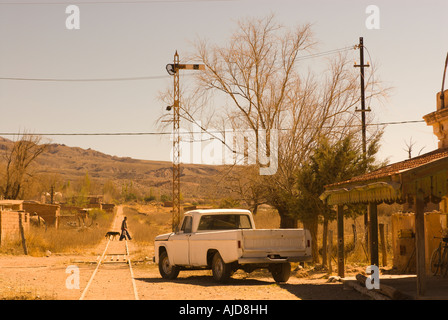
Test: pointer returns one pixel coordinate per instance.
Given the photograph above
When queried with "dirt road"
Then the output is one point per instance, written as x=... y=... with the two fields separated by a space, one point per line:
x=70 y=277
x=46 y=278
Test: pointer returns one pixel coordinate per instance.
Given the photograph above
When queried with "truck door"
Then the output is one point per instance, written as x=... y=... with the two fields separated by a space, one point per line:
x=180 y=243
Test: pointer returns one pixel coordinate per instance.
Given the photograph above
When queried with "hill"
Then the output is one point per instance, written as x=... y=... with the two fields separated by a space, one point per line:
x=145 y=176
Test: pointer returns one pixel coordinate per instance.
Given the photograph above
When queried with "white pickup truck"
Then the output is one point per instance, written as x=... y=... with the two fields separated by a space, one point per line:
x=225 y=240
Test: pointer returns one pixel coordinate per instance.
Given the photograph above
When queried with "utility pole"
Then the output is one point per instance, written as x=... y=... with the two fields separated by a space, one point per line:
x=442 y=94
x=173 y=69
x=363 y=111
x=176 y=150
x=52 y=194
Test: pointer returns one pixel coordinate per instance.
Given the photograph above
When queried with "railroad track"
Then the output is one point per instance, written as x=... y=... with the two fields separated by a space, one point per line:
x=107 y=279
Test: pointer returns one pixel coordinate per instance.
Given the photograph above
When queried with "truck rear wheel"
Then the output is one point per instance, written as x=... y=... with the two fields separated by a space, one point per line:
x=221 y=271
x=281 y=271
x=167 y=271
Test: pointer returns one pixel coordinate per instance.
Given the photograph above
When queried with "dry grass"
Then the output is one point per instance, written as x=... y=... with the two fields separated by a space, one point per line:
x=41 y=242
x=266 y=218
x=145 y=222
x=357 y=253
x=22 y=292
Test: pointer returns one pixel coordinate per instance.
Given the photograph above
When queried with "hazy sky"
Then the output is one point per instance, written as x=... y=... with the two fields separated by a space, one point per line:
x=120 y=40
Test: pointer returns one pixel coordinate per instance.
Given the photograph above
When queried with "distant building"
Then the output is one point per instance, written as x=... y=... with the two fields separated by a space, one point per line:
x=10 y=205
x=49 y=212
x=12 y=217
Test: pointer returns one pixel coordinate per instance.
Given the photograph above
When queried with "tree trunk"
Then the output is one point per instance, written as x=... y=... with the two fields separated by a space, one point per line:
x=312 y=225
x=286 y=221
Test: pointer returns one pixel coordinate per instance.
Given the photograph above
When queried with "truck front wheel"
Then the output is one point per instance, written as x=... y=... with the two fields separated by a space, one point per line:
x=167 y=271
x=221 y=271
x=281 y=271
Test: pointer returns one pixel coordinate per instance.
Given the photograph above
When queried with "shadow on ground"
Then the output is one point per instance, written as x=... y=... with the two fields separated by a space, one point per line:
x=207 y=281
x=303 y=291
x=329 y=291
x=436 y=286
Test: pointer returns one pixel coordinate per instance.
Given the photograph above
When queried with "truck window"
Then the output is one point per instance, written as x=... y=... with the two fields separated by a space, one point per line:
x=224 y=222
x=187 y=224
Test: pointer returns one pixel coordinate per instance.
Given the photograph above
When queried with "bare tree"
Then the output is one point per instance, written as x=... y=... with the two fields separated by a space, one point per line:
x=18 y=160
x=256 y=75
x=261 y=84
x=409 y=148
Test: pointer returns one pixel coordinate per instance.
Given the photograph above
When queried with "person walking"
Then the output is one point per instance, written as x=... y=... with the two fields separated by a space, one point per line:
x=124 y=230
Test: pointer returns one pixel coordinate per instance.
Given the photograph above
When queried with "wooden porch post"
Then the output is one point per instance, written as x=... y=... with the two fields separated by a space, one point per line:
x=373 y=237
x=383 y=245
x=341 y=264
x=420 y=243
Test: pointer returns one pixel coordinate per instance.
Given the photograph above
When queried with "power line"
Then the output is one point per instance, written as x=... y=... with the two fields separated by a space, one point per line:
x=320 y=54
x=396 y=122
x=187 y=133
x=315 y=55
x=83 y=80
x=91 y=134
x=111 y=2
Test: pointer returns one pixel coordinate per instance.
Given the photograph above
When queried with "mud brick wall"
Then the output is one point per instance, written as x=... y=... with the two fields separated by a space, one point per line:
x=108 y=207
x=71 y=209
x=10 y=225
x=49 y=212
x=94 y=206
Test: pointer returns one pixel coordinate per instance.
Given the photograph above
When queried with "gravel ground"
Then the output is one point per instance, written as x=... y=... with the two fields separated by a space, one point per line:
x=23 y=277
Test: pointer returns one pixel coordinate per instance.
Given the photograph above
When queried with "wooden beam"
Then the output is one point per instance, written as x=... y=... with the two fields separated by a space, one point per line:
x=363 y=290
x=341 y=262
x=373 y=236
x=22 y=233
x=330 y=251
x=419 y=204
x=386 y=290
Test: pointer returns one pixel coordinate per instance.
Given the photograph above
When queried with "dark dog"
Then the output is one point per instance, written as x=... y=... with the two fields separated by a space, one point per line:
x=112 y=235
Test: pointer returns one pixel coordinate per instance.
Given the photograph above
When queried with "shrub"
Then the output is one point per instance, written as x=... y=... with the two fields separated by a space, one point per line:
x=149 y=198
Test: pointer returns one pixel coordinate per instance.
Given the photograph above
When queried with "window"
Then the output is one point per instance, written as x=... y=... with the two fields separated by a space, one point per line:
x=187 y=224
x=224 y=222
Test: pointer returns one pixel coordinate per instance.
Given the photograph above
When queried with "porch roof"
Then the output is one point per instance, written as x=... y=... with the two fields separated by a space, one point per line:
x=395 y=182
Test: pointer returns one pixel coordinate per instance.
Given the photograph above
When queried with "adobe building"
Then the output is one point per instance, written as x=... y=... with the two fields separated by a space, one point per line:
x=418 y=182
x=15 y=205
x=108 y=207
x=49 y=212
x=94 y=202
x=91 y=202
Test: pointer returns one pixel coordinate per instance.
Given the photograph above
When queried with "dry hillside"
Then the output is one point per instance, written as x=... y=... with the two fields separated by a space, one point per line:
x=72 y=164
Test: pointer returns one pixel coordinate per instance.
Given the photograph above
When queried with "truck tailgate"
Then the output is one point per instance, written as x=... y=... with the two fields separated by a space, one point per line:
x=271 y=245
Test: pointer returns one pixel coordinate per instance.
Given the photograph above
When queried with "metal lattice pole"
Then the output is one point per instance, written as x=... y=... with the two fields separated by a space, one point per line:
x=176 y=150
x=173 y=69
